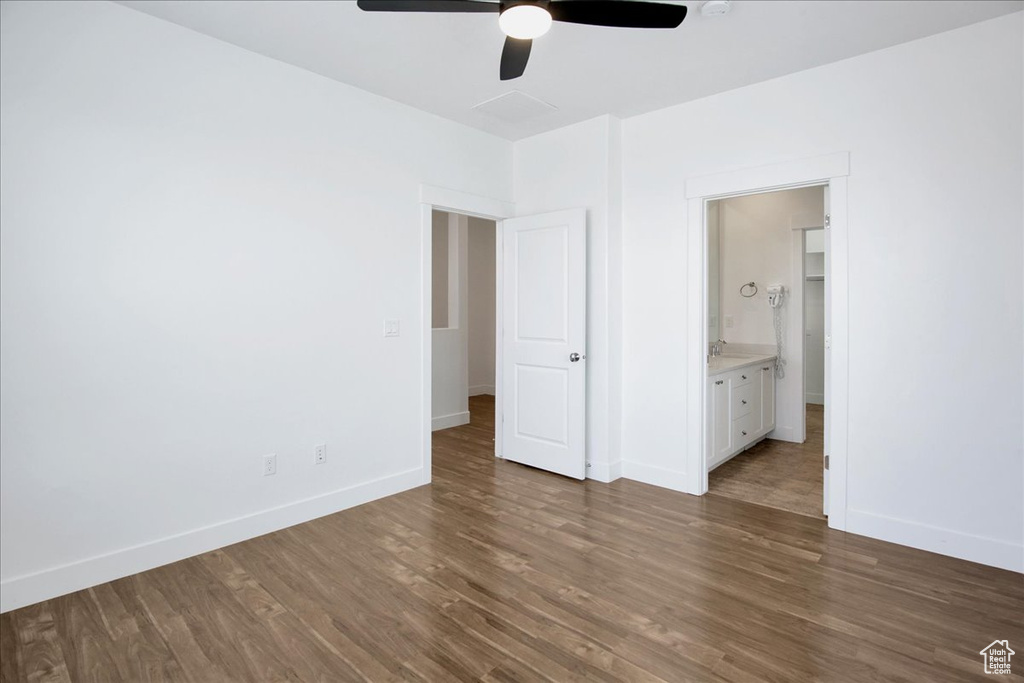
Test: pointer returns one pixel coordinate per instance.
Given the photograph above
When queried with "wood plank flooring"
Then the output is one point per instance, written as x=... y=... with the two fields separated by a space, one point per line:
x=779 y=474
x=498 y=572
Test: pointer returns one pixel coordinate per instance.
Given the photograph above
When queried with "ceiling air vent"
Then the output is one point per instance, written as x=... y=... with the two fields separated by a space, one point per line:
x=514 y=107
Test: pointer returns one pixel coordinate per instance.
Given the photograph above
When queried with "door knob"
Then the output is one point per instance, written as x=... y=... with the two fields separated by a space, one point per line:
x=574 y=357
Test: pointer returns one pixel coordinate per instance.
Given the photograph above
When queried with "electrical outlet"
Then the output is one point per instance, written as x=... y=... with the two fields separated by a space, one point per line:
x=320 y=454
x=269 y=464
x=392 y=328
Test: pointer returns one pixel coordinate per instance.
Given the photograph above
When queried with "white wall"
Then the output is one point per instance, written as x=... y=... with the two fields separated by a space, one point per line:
x=580 y=166
x=757 y=233
x=756 y=245
x=198 y=249
x=934 y=131
x=481 y=302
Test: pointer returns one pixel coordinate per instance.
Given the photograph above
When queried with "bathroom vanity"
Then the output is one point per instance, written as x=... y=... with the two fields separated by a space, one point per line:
x=741 y=404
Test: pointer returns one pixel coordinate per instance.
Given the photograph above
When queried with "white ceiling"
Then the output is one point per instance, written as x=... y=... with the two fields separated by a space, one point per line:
x=447 y=63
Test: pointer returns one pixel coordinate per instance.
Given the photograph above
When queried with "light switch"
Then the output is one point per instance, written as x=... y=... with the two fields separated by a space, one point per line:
x=392 y=328
x=728 y=321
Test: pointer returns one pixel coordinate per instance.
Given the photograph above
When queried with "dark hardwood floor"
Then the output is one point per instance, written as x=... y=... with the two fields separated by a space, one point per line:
x=498 y=572
x=779 y=474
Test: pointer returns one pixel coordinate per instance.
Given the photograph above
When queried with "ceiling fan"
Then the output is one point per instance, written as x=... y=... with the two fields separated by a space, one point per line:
x=524 y=20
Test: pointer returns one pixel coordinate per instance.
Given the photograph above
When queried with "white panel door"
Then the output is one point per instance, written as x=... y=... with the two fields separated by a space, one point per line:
x=544 y=355
x=828 y=348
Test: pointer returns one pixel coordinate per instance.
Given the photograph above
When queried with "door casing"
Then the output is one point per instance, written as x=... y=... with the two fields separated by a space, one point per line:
x=831 y=171
x=453 y=201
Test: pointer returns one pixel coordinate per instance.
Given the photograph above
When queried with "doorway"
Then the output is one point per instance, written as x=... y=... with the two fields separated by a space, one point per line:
x=830 y=171
x=463 y=317
x=765 y=444
x=539 y=307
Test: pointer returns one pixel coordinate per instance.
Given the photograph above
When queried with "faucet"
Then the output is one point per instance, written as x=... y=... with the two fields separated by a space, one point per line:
x=716 y=347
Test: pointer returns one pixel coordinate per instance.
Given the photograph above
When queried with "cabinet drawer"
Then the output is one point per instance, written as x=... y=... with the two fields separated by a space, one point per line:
x=743 y=400
x=744 y=376
x=743 y=430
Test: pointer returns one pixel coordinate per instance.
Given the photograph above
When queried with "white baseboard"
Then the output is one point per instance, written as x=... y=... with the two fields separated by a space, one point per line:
x=604 y=471
x=482 y=389
x=449 y=421
x=988 y=551
x=29 y=589
x=784 y=434
x=656 y=476
x=816 y=399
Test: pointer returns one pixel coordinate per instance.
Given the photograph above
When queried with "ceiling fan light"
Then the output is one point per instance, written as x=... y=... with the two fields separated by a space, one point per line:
x=525 y=22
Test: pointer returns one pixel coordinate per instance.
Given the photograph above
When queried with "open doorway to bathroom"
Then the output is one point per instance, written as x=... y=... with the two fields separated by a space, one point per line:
x=765 y=373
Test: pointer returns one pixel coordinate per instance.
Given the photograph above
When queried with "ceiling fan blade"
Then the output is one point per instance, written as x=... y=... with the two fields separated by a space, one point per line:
x=620 y=13
x=428 y=6
x=514 y=56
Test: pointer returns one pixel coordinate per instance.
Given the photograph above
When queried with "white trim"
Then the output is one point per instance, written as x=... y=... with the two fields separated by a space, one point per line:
x=827 y=170
x=981 y=549
x=604 y=471
x=465 y=203
x=454 y=201
x=783 y=433
x=28 y=589
x=499 y=335
x=760 y=179
x=696 y=475
x=655 y=476
x=482 y=390
x=449 y=421
x=839 y=364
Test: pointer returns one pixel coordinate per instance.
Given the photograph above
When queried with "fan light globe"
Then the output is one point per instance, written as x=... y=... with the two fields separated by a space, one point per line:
x=525 y=22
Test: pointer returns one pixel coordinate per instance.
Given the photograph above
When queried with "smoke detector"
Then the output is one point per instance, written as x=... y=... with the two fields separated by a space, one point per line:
x=715 y=8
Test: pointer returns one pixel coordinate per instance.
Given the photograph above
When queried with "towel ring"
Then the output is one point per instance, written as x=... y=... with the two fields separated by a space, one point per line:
x=744 y=287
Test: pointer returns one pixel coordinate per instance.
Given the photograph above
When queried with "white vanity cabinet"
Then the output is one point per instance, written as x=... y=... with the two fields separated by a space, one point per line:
x=720 y=429
x=741 y=409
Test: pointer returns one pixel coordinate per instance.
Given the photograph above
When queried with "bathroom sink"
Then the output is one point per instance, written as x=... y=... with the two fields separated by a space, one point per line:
x=728 y=361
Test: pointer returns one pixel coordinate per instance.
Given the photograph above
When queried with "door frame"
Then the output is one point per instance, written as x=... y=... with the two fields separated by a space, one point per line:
x=830 y=170
x=453 y=201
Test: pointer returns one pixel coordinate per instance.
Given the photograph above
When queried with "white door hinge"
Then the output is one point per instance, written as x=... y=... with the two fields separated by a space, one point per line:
x=828 y=220
x=826 y=462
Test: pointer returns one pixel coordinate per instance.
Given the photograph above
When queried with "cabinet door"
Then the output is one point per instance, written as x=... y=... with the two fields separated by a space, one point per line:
x=755 y=424
x=721 y=419
x=767 y=398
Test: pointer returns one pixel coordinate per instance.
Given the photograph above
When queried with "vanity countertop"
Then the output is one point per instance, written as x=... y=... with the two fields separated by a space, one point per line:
x=734 y=361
